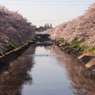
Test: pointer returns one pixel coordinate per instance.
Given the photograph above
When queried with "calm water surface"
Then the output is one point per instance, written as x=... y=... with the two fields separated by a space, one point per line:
x=46 y=74
x=49 y=77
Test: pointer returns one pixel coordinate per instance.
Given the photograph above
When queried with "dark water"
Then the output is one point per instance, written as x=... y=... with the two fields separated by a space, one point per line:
x=46 y=71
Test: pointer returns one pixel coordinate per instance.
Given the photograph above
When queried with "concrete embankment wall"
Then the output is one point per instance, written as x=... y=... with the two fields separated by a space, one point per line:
x=87 y=60
x=12 y=55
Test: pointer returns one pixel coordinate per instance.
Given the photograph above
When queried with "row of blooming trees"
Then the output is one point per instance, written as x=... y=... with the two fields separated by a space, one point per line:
x=14 y=28
x=82 y=28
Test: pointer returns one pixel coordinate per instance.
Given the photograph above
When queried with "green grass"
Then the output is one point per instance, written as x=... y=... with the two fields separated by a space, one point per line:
x=61 y=40
x=82 y=48
x=22 y=46
x=92 y=50
x=8 y=48
x=75 y=44
x=67 y=43
x=28 y=41
x=34 y=39
x=16 y=45
x=31 y=41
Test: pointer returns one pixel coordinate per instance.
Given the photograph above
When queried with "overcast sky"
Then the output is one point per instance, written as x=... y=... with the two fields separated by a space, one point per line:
x=39 y=12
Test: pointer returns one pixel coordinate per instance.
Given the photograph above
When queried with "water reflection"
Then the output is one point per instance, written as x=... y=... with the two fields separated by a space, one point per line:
x=43 y=55
x=11 y=81
x=48 y=77
x=82 y=79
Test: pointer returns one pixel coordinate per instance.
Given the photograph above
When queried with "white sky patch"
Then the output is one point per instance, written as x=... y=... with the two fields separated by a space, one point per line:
x=40 y=12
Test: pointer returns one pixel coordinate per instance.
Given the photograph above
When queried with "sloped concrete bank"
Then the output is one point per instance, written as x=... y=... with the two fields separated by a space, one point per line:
x=12 y=55
x=86 y=59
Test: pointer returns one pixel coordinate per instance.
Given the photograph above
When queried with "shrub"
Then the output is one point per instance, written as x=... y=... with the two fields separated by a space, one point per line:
x=75 y=44
x=62 y=40
x=8 y=48
x=67 y=43
x=82 y=48
x=92 y=50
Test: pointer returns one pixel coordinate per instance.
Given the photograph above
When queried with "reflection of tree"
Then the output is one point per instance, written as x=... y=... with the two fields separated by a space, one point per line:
x=11 y=82
x=82 y=80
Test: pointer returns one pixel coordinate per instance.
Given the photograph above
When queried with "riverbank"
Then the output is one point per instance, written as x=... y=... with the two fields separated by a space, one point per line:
x=12 y=55
x=19 y=50
x=86 y=58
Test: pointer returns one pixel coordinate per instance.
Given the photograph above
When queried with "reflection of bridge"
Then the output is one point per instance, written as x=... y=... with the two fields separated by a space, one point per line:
x=45 y=43
x=42 y=35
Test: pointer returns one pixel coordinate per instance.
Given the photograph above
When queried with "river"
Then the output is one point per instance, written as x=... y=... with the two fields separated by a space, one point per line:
x=46 y=70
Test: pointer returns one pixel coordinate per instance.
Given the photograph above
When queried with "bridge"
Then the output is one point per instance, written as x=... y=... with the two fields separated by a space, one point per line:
x=42 y=35
x=42 y=39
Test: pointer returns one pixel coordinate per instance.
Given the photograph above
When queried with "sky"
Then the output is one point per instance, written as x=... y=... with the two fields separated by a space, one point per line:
x=40 y=12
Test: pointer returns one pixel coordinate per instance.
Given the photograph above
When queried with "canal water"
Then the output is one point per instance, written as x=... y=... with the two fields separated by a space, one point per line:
x=46 y=71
